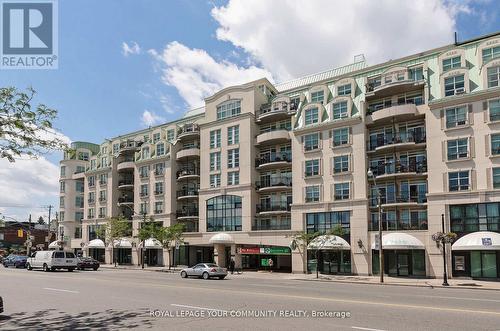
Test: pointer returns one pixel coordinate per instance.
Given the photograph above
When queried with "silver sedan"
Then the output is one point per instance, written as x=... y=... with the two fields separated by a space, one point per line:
x=205 y=271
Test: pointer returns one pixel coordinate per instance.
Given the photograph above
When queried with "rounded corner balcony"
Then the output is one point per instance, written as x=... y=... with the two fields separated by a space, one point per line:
x=275 y=112
x=401 y=112
x=129 y=146
x=193 y=151
x=187 y=214
x=187 y=194
x=187 y=174
x=273 y=137
x=273 y=208
x=78 y=175
x=400 y=201
x=397 y=85
x=274 y=184
x=397 y=142
x=126 y=164
x=273 y=160
x=125 y=184
x=125 y=201
x=400 y=170
x=188 y=131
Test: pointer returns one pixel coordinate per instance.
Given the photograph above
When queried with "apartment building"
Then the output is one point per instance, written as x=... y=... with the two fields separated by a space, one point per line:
x=418 y=137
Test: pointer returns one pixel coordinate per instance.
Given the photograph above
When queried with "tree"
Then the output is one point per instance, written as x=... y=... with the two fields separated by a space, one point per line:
x=114 y=229
x=170 y=234
x=25 y=131
x=41 y=220
x=300 y=241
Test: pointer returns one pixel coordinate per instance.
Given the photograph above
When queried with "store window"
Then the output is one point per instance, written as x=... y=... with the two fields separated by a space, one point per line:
x=224 y=213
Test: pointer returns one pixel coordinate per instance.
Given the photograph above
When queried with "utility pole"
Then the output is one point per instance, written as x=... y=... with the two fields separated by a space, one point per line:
x=48 y=227
x=28 y=239
x=144 y=241
x=445 y=274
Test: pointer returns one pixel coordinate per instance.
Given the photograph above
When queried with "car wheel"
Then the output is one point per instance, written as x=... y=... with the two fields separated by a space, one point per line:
x=95 y=268
x=71 y=269
x=205 y=275
x=222 y=277
x=45 y=267
x=53 y=269
x=184 y=274
x=28 y=266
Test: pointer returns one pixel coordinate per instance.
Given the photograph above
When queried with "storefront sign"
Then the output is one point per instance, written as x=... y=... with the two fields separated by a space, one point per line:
x=459 y=263
x=249 y=250
x=265 y=250
x=486 y=241
x=264 y=262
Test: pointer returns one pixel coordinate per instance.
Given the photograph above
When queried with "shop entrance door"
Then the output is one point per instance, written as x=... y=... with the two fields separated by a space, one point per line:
x=403 y=265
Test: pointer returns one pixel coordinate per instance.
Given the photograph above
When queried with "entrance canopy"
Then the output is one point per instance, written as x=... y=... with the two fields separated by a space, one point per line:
x=54 y=245
x=221 y=238
x=96 y=243
x=152 y=243
x=399 y=240
x=329 y=242
x=482 y=240
x=122 y=243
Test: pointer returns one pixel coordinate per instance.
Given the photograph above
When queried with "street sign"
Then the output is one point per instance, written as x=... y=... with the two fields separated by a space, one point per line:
x=20 y=233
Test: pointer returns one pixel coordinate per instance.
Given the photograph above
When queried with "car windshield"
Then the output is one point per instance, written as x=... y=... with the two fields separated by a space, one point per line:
x=212 y=265
x=70 y=255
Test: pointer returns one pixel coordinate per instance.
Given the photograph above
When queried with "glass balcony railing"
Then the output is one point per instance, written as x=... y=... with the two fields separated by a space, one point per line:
x=277 y=206
x=273 y=182
x=266 y=225
x=409 y=224
x=188 y=172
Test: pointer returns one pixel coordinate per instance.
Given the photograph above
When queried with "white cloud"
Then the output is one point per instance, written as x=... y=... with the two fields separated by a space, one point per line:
x=196 y=74
x=150 y=118
x=133 y=48
x=294 y=37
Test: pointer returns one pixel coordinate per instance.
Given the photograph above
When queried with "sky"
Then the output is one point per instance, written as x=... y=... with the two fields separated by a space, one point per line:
x=125 y=65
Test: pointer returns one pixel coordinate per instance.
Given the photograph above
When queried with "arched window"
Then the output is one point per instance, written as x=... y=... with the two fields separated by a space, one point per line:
x=224 y=213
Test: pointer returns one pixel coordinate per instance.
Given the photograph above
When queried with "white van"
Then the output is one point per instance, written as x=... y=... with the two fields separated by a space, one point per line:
x=52 y=260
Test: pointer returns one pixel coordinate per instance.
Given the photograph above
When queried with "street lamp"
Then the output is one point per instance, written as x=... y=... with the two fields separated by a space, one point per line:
x=143 y=251
x=445 y=275
x=379 y=206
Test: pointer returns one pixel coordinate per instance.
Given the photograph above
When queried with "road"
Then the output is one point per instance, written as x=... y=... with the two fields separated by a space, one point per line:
x=118 y=299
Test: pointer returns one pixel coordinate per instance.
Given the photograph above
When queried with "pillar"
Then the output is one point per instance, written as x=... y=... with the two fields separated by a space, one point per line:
x=220 y=255
x=166 y=257
x=298 y=263
x=236 y=256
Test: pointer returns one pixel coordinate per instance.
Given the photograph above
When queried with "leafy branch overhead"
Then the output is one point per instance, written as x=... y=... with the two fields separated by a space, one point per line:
x=25 y=131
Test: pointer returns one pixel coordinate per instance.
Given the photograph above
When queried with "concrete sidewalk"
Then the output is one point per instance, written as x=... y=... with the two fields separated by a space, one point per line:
x=373 y=280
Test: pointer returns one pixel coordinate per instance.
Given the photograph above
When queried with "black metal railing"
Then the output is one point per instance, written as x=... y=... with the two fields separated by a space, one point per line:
x=276 y=206
x=274 y=157
x=392 y=139
x=273 y=182
x=125 y=200
x=188 y=172
x=187 y=212
x=402 y=198
x=388 y=225
x=187 y=192
x=126 y=182
x=399 y=167
x=263 y=225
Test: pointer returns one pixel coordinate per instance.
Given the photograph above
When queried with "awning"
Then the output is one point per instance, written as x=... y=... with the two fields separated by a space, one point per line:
x=96 y=243
x=398 y=240
x=482 y=240
x=122 y=243
x=221 y=238
x=152 y=243
x=329 y=242
x=54 y=245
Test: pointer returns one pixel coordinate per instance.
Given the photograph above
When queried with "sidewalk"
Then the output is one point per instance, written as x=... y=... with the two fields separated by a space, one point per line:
x=372 y=280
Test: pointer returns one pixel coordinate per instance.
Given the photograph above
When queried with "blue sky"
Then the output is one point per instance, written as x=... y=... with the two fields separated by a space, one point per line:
x=181 y=51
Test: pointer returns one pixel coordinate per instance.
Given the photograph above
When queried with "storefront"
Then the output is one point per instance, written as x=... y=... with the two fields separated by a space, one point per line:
x=477 y=255
x=154 y=252
x=272 y=258
x=404 y=255
x=188 y=255
x=122 y=252
x=97 y=250
x=330 y=254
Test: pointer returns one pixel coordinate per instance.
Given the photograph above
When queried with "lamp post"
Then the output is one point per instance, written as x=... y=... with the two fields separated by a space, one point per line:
x=445 y=275
x=379 y=207
x=143 y=251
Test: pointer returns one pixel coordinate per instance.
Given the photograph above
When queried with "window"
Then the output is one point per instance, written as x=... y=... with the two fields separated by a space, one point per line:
x=83 y=156
x=344 y=90
x=145 y=153
x=116 y=148
x=156 y=137
x=160 y=149
x=340 y=164
x=325 y=221
x=63 y=171
x=102 y=212
x=495 y=144
x=493 y=76
x=144 y=190
x=214 y=161
x=214 y=180
x=468 y=218
x=311 y=116
x=215 y=139
x=79 y=186
x=158 y=188
x=317 y=96
x=454 y=85
x=62 y=187
x=103 y=195
x=341 y=191
x=92 y=164
x=233 y=135
x=494 y=107
x=340 y=136
x=159 y=169
x=61 y=216
x=416 y=73
x=233 y=158
x=144 y=171
x=79 y=169
x=311 y=141
x=170 y=135
x=79 y=199
x=229 y=108
x=91 y=180
x=61 y=202
x=90 y=213
x=233 y=178
x=458 y=181
x=490 y=53
x=312 y=193
x=496 y=178
x=339 y=110
x=456 y=117
x=224 y=213
x=312 y=168
x=452 y=62
x=78 y=215
x=103 y=179
x=158 y=207
x=458 y=149
x=143 y=208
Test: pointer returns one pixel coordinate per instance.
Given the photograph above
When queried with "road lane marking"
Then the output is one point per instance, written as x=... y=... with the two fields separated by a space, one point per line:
x=456 y=298
x=59 y=290
x=194 y=307
x=367 y=329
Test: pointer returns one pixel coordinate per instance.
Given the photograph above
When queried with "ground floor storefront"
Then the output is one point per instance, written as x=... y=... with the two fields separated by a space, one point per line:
x=329 y=262
x=400 y=263
x=98 y=254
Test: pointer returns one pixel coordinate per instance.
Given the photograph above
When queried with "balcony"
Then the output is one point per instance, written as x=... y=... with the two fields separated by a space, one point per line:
x=396 y=142
x=273 y=137
x=187 y=194
x=101 y=216
x=126 y=201
x=276 y=112
x=274 y=160
x=190 y=226
x=265 y=225
x=126 y=164
x=188 y=131
x=144 y=194
x=126 y=184
x=280 y=183
x=144 y=175
x=274 y=208
x=129 y=146
x=91 y=201
x=103 y=182
x=187 y=213
x=191 y=151
x=399 y=83
x=188 y=174
x=401 y=112
x=400 y=169
x=78 y=175
x=399 y=225
x=403 y=200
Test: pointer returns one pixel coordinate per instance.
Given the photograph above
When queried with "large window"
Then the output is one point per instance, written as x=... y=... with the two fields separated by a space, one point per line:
x=456 y=117
x=458 y=181
x=494 y=107
x=311 y=141
x=214 y=161
x=312 y=168
x=493 y=76
x=233 y=135
x=496 y=178
x=458 y=149
x=224 y=213
x=344 y=90
x=229 y=108
x=233 y=158
x=475 y=217
x=311 y=116
x=340 y=136
x=341 y=191
x=214 y=180
x=322 y=222
x=490 y=53
x=313 y=193
x=160 y=149
x=317 y=96
x=340 y=164
x=215 y=138
x=453 y=62
x=495 y=144
x=339 y=110
x=454 y=85
x=233 y=178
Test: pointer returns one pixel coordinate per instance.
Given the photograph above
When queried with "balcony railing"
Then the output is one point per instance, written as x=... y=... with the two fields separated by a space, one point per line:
x=143 y=194
x=388 y=225
x=399 y=167
x=188 y=128
x=273 y=182
x=91 y=200
x=188 y=212
x=102 y=216
x=392 y=139
x=144 y=175
x=125 y=200
x=187 y=192
x=158 y=192
x=404 y=198
x=188 y=172
x=101 y=199
x=158 y=211
x=371 y=109
x=159 y=172
x=126 y=159
x=260 y=225
x=126 y=182
x=190 y=226
x=267 y=207
x=103 y=182
x=274 y=157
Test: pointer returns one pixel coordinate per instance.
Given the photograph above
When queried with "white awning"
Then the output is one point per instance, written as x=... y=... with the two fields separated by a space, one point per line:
x=221 y=238
x=96 y=243
x=152 y=243
x=54 y=245
x=329 y=242
x=398 y=240
x=482 y=240
x=122 y=243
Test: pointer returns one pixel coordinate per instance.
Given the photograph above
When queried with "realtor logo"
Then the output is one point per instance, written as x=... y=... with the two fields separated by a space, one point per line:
x=28 y=34
x=486 y=241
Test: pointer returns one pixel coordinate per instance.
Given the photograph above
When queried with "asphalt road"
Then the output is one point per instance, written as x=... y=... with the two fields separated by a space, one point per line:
x=119 y=299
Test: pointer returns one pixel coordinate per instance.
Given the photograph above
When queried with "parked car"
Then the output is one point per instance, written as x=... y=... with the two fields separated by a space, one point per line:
x=205 y=271
x=18 y=261
x=87 y=263
x=1 y=305
x=52 y=260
